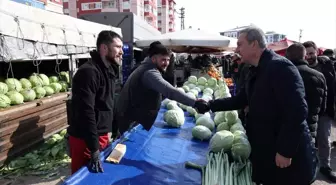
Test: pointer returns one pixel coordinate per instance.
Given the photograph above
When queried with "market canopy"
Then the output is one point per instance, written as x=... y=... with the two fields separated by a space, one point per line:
x=192 y=41
x=32 y=33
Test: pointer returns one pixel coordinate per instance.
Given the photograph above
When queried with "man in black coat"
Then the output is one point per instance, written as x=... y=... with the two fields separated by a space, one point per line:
x=282 y=149
x=324 y=65
x=92 y=102
x=315 y=85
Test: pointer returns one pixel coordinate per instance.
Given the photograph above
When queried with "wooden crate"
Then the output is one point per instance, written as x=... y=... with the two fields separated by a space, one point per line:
x=25 y=126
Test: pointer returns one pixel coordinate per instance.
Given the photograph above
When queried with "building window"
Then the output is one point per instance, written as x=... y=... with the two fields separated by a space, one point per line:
x=147 y=8
x=126 y=5
x=159 y=24
x=91 y=6
x=66 y=11
x=159 y=3
x=64 y=1
x=109 y=4
x=159 y=18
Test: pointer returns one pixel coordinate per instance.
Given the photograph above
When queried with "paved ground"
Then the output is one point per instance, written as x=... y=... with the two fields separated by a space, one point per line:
x=64 y=172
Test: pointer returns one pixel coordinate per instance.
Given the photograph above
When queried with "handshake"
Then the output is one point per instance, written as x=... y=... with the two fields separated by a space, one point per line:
x=202 y=106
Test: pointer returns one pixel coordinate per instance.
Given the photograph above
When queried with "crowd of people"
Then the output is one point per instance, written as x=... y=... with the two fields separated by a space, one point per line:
x=287 y=104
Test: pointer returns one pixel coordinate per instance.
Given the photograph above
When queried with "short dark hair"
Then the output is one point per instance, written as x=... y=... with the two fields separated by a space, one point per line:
x=106 y=37
x=328 y=52
x=295 y=51
x=156 y=48
x=309 y=44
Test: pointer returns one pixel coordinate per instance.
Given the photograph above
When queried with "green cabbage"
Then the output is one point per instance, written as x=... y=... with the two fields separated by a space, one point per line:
x=56 y=87
x=223 y=126
x=192 y=79
x=221 y=140
x=4 y=101
x=49 y=91
x=53 y=79
x=15 y=97
x=3 y=88
x=13 y=84
x=206 y=121
x=220 y=117
x=25 y=83
x=174 y=117
x=201 y=81
x=201 y=132
x=40 y=92
x=186 y=88
x=28 y=95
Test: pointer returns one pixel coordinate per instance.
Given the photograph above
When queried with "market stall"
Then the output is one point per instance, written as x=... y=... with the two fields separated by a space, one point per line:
x=191 y=41
x=182 y=147
x=39 y=53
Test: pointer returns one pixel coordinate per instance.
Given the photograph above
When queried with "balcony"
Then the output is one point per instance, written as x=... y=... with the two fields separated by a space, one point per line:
x=150 y=12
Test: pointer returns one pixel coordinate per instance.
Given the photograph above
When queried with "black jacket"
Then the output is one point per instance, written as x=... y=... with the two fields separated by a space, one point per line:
x=325 y=66
x=276 y=121
x=316 y=93
x=92 y=100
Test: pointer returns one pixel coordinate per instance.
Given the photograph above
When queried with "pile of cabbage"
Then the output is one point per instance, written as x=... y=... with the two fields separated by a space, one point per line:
x=223 y=130
x=15 y=92
x=43 y=161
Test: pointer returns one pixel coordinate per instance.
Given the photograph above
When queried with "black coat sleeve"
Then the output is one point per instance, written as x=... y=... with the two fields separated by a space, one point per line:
x=84 y=88
x=233 y=103
x=289 y=92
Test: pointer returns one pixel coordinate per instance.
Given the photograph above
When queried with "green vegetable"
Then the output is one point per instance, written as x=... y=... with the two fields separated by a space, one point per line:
x=174 y=117
x=201 y=132
x=206 y=121
x=3 y=88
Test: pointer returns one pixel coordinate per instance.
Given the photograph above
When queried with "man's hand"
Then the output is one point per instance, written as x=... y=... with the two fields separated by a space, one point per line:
x=282 y=162
x=95 y=165
x=201 y=106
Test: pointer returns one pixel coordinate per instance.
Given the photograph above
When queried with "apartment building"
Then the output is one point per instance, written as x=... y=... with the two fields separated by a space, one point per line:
x=271 y=36
x=166 y=15
x=158 y=13
x=50 y=5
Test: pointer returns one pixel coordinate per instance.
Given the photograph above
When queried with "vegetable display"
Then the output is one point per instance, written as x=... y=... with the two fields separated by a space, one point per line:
x=229 y=148
x=34 y=87
x=43 y=161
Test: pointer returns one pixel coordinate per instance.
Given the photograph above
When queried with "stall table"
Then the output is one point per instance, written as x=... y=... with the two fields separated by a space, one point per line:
x=154 y=157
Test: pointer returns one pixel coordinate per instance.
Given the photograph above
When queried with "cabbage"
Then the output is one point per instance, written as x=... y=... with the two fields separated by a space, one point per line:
x=223 y=126
x=208 y=90
x=206 y=97
x=192 y=79
x=53 y=79
x=4 y=101
x=212 y=82
x=202 y=81
x=40 y=92
x=165 y=102
x=56 y=86
x=64 y=76
x=186 y=83
x=194 y=91
x=201 y=87
x=186 y=88
x=28 y=95
x=13 y=84
x=201 y=132
x=241 y=148
x=36 y=81
x=198 y=115
x=191 y=111
x=181 y=89
x=172 y=105
x=174 y=118
x=25 y=83
x=232 y=116
x=191 y=95
x=237 y=127
x=15 y=97
x=191 y=86
x=45 y=79
x=221 y=140
x=3 y=88
x=197 y=89
x=49 y=90
x=206 y=121
x=64 y=86
x=219 y=117
x=221 y=82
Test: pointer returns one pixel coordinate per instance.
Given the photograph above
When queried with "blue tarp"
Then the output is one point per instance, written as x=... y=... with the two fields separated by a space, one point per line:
x=156 y=157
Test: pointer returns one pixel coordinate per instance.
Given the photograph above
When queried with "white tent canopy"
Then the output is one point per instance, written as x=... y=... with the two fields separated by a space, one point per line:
x=27 y=33
x=191 y=38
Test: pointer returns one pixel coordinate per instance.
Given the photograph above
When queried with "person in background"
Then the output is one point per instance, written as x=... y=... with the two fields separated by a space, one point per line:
x=325 y=66
x=330 y=53
x=315 y=86
x=234 y=67
x=92 y=102
x=169 y=75
x=140 y=99
x=282 y=149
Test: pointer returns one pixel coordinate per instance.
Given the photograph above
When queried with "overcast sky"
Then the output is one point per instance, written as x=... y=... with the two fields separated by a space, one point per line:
x=317 y=18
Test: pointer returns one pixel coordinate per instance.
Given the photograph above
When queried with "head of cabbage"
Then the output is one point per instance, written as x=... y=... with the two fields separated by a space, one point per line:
x=174 y=117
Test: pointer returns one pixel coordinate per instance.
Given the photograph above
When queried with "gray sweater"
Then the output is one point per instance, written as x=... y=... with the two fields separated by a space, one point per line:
x=153 y=79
